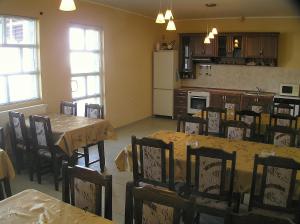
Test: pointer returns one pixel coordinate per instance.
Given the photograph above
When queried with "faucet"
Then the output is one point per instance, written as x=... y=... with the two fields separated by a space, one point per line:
x=259 y=90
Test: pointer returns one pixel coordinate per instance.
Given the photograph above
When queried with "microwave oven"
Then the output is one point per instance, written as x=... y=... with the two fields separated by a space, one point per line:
x=289 y=90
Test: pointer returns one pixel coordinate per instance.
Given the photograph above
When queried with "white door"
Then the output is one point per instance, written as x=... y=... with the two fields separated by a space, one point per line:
x=163 y=70
x=163 y=102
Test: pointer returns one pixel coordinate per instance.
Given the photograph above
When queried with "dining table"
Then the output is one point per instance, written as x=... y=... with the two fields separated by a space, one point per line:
x=245 y=153
x=32 y=206
x=73 y=132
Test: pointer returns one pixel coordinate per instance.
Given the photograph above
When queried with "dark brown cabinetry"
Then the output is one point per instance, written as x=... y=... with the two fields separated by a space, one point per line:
x=230 y=101
x=180 y=102
x=265 y=101
x=200 y=49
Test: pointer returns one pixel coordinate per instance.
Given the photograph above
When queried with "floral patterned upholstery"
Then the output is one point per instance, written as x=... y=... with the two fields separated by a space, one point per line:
x=230 y=107
x=235 y=133
x=210 y=175
x=92 y=113
x=277 y=186
x=40 y=133
x=213 y=122
x=281 y=139
x=192 y=128
x=17 y=128
x=283 y=111
x=154 y=213
x=248 y=120
x=152 y=163
x=85 y=195
x=257 y=108
x=283 y=122
x=68 y=110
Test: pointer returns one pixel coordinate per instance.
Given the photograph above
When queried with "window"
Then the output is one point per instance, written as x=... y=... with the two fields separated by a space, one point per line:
x=86 y=56
x=19 y=67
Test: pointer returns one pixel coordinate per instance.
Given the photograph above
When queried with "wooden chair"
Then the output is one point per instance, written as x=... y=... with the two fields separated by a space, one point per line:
x=236 y=130
x=20 y=142
x=214 y=118
x=153 y=205
x=68 y=108
x=48 y=157
x=252 y=119
x=190 y=125
x=285 y=120
x=250 y=218
x=82 y=187
x=95 y=111
x=5 y=184
x=282 y=108
x=281 y=136
x=2 y=140
x=152 y=155
x=211 y=186
x=273 y=192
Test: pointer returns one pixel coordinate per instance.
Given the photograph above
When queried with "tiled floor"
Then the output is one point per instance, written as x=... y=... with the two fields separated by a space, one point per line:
x=112 y=148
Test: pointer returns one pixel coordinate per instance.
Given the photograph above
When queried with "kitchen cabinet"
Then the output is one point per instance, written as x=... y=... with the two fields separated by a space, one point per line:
x=200 y=49
x=180 y=102
x=226 y=100
x=265 y=101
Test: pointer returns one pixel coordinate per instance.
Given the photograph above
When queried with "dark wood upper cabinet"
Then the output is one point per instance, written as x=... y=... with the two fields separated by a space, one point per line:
x=200 y=49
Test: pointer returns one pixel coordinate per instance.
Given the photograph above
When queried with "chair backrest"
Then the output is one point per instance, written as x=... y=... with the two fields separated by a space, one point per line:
x=152 y=205
x=190 y=125
x=282 y=108
x=150 y=157
x=210 y=167
x=82 y=187
x=281 y=136
x=236 y=130
x=258 y=107
x=18 y=130
x=285 y=120
x=251 y=118
x=41 y=132
x=276 y=187
x=94 y=111
x=250 y=218
x=68 y=108
x=2 y=141
x=214 y=118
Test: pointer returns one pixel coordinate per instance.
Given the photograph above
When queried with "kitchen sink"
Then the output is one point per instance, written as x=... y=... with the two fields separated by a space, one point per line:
x=255 y=93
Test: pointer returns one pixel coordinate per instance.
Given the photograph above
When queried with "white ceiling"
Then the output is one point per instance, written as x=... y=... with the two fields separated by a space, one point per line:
x=196 y=9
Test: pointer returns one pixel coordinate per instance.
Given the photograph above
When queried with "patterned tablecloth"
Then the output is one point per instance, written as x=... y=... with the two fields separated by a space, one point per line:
x=6 y=167
x=73 y=132
x=31 y=206
x=245 y=155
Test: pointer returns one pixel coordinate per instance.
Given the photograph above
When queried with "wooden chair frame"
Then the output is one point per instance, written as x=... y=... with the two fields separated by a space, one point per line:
x=236 y=124
x=137 y=157
x=280 y=162
x=7 y=188
x=256 y=117
x=187 y=118
x=290 y=118
x=73 y=105
x=92 y=176
x=223 y=114
x=278 y=106
x=2 y=140
x=270 y=132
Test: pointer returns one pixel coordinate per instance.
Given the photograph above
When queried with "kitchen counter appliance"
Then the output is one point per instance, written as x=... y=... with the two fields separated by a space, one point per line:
x=197 y=101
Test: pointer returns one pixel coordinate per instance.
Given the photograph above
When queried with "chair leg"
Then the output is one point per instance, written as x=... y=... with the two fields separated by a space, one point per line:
x=38 y=171
x=86 y=156
x=56 y=174
x=1 y=192
x=30 y=166
x=18 y=161
x=7 y=187
x=129 y=203
x=101 y=155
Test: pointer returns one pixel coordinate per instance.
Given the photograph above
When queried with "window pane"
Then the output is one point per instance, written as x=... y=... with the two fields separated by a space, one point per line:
x=76 y=39
x=3 y=90
x=81 y=104
x=78 y=87
x=84 y=62
x=92 y=40
x=93 y=85
x=22 y=87
x=10 y=60
x=1 y=30
x=20 y=31
x=29 y=59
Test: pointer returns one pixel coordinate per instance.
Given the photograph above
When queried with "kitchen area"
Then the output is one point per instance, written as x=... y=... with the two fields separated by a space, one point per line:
x=235 y=71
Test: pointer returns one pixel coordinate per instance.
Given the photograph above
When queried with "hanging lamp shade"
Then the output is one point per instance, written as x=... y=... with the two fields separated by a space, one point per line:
x=207 y=40
x=214 y=31
x=171 y=25
x=168 y=14
x=160 y=18
x=67 y=5
x=210 y=35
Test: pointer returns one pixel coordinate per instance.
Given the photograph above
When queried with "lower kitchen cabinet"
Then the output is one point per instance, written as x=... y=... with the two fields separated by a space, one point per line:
x=180 y=102
x=230 y=101
x=265 y=101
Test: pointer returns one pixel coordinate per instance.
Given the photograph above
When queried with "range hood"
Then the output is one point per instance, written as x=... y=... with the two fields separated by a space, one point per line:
x=202 y=60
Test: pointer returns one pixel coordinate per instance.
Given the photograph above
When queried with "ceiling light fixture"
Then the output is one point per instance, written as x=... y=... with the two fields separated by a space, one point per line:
x=214 y=31
x=211 y=35
x=160 y=16
x=168 y=14
x=171 y=25
x=67 y=5
x=207 y=40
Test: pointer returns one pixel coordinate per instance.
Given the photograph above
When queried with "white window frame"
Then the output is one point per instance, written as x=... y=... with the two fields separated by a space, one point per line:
x=21 y=46
x=100 y=95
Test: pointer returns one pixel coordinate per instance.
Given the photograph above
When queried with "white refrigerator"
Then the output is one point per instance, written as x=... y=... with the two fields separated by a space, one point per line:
x=165 y=80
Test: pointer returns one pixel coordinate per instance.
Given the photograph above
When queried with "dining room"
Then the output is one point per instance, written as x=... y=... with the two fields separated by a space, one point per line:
x=161 y=111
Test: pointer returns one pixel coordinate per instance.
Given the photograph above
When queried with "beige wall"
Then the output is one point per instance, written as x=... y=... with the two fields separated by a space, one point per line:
x=128 y=44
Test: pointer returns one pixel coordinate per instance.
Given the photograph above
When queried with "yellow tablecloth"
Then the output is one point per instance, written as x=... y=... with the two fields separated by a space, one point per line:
x=6 y=167
x=244 y=162
x=73 y=132
x=31 y=206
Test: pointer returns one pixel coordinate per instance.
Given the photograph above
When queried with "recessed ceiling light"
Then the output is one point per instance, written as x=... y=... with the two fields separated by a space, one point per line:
x=211 y=5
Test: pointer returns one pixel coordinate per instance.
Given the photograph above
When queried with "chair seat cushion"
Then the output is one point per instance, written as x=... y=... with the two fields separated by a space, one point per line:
x=46 y=153
x=211 y=203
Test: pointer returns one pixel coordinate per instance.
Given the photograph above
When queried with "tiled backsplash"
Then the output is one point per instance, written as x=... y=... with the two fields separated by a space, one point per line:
x=244 y=77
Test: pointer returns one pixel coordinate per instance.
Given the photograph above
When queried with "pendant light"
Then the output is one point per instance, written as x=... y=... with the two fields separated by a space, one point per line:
x=67 y=5
x=160 y=16
x=168 y=14
x=171 y=25
x=211 y=35
x=214 y=31
x=207 y=40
